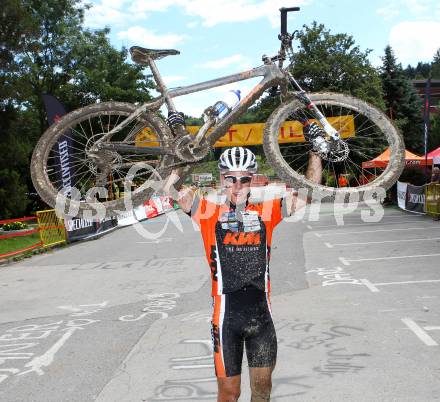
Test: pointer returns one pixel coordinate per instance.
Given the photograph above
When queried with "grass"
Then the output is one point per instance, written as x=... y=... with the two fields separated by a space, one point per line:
x=17 y=243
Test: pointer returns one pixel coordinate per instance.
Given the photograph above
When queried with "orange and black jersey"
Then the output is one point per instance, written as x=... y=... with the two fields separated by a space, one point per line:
x=237 y=241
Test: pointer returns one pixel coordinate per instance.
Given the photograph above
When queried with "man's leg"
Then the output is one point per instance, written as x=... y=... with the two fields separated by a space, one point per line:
x=261 y=383
x=229 y=388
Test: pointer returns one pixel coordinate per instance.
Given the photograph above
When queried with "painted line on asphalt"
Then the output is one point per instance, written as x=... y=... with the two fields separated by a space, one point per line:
x=347 y=261
x=373 y=231
x=329 y=245
x=357 y=224
x=163 y=240
x=374 y=289
x=432 y=328
x=369 y=285
x=419 y=331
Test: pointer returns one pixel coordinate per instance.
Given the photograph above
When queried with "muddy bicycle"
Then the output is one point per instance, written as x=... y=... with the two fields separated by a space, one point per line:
x=89 y=151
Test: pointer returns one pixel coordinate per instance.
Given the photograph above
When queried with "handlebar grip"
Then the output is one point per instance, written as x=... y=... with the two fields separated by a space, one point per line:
x=284 y=12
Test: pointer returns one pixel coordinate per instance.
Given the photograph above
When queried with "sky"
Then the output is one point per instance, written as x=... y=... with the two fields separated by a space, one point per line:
x=222 y=37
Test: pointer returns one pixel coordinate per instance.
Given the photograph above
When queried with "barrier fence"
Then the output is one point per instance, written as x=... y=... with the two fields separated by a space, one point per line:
x=51 y=228
x=21 y=233
x=432 y=197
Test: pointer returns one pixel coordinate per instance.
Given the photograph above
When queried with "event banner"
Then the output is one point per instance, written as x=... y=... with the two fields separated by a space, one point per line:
x=401 y=194
x=81 y=229
x=415 y=199
x=252 y=134
x=78 y=228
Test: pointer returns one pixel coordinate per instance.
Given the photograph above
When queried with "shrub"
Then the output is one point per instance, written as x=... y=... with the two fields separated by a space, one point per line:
x=14 y=226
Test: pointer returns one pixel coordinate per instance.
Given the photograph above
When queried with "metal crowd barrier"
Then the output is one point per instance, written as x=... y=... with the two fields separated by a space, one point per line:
x=52 y=230
x=432 y=199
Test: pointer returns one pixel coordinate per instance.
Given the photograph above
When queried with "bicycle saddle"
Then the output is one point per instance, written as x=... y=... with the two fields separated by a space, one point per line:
x=141 y=55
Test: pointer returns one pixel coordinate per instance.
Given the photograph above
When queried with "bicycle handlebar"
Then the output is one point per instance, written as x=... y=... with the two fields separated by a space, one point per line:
x=284 y=12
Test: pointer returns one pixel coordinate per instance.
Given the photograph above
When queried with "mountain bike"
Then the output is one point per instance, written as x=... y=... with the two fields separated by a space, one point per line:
x=86 y=155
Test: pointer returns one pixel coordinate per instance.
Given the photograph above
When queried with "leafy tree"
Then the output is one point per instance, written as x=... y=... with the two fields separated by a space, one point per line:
x=45 y=49
x=420 y=72
x=327 y=62
x=333 y=62
x=435 y=66
x=403 y=104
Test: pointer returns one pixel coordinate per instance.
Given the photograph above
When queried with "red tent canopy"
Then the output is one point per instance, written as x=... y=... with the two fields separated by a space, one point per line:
x=434 y=153
x=382 y=160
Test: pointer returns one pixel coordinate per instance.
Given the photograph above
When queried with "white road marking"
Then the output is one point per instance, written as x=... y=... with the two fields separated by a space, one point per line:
x=380 y=242
x=348 y=261
x=374 y=231
x=432 y=328
x=370 y=285
x=309 y=227
x=47 y=359
x=406 y=282
x=357 y=224
x=420 y=332
x=160 y=240
x=344 y=261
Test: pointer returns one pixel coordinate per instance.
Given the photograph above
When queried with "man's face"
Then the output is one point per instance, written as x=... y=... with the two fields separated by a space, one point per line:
x=236 y=192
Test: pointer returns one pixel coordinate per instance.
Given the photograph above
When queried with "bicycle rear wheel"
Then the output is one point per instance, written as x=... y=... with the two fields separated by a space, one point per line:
x=366 y=132
x=65 y=168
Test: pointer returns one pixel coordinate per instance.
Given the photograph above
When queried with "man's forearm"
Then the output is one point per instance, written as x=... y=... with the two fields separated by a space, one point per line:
x=314 y=169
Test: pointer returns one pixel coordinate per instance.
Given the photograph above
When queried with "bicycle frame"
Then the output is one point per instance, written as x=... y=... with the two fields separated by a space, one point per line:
x=272 y=76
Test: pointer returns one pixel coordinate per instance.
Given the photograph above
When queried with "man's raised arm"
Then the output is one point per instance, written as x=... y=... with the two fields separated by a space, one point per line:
x=314 y=173
x=184 y=197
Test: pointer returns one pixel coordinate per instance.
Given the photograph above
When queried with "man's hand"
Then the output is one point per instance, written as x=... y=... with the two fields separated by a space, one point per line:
x=184 y=197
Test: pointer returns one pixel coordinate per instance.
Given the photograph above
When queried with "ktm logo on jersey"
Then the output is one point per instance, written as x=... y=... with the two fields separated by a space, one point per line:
x=242 y=238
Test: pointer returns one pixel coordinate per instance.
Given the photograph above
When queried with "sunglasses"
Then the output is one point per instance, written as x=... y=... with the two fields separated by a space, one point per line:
x=242 y=179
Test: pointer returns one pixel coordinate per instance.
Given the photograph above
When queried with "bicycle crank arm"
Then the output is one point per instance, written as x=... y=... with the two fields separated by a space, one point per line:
x=125 y=148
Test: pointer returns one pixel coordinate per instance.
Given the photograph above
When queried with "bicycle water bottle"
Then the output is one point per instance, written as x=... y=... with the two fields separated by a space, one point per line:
x=229 y=102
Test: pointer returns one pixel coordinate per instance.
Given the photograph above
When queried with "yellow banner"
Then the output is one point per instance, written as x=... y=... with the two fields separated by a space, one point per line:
x=252 y=134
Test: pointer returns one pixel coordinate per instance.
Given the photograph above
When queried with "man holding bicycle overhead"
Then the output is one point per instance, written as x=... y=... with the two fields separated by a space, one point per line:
x=237 y=235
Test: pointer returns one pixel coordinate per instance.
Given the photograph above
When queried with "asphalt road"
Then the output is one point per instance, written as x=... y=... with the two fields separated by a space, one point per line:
x=126 y=317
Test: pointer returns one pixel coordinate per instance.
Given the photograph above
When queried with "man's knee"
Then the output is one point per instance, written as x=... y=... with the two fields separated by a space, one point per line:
x=261 y=384
x=228 y=390
x=261 y=387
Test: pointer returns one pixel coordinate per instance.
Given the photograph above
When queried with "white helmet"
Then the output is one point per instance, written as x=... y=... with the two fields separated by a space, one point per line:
x=237 y=159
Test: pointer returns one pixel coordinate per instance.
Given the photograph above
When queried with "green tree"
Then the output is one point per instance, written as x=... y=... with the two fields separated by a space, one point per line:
x=403 y=104
x=435 y=66
x=327 y=62
x=333 y=62
x=45 y=49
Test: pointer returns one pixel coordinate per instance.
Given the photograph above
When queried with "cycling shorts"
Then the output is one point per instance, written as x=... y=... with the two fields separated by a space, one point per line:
x=242 y=318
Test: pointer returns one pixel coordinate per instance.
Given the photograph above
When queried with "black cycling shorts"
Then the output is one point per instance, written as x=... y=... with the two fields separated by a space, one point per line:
x=242 y=318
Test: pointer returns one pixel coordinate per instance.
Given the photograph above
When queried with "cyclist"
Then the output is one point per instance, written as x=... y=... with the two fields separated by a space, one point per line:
x=237 y=236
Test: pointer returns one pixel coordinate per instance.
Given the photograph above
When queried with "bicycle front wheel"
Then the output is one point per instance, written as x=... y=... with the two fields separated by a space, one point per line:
x=65 y=162
x=366 y=133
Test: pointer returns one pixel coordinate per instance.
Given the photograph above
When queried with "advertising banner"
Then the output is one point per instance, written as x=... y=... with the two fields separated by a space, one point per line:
x=150 y=209
x=401 y=194
x=65 y=166
x=167 y=203
x=140 y=213
x=106 y=224
x=79 y=229
x=126 y=218
x=252 y=134
x=415 y=199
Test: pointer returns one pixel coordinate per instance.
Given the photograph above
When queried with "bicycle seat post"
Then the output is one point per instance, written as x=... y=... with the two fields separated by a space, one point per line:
x=161 y=85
